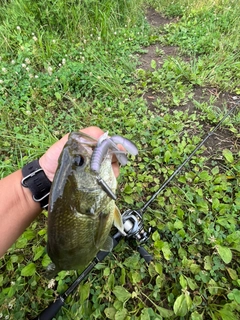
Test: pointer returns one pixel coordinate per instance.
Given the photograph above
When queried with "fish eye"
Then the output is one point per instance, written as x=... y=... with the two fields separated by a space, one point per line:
x=78 y=161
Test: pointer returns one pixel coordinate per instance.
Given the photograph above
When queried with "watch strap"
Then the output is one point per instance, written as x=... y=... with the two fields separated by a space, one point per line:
x=36 y=180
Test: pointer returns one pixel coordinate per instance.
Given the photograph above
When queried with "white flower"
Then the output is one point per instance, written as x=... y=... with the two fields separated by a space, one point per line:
x=10 y=306
x=18 y=28
x=4 y=70
x=27 y=60
x=13 y=62
x=36 y=76
x=51 y=284
x=49 y=70
x=99 y=38
x=212 y=239
x=35 y=38
x=63 y=61
x=24 y=65
x=28 y=112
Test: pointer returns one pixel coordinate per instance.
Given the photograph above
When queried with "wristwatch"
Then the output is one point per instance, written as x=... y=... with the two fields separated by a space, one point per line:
x=35 y=179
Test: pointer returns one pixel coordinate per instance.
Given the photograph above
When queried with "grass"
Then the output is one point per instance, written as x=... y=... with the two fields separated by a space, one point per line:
x=69 y=65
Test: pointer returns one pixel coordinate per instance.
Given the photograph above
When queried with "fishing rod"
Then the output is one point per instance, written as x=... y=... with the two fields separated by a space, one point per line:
x=133 y=226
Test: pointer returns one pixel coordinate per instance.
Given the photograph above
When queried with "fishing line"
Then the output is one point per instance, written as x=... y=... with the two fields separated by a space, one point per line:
x=147 y=204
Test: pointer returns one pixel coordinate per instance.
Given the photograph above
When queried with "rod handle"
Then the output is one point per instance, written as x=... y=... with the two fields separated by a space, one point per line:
x=51 y=311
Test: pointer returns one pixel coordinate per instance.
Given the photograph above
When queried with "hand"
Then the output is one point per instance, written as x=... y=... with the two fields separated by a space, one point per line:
x=49 y=161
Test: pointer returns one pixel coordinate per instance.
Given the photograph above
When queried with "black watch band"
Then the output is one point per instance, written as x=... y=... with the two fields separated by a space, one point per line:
x=35 y=179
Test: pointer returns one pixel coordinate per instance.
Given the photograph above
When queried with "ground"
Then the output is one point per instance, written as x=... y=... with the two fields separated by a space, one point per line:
x=222 y=138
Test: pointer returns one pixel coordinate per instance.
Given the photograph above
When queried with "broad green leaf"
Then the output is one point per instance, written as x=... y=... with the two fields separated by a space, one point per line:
x=38 y=252
x=225 y=253
x=158 y=268
x=227 y=314
x=122 y=278
x=165 y=313
x=46 y=260
x=215 y=203
x=205 y=176
x=191 y=283
x=84 y=291
x=183 y=282
x=215 y=170
x=166 y=251
x=121 y=293
x=213 y=287
x=207 y=263
x=128 y=189
x=155 y=236
x=110 y=313
x=11 y=291
x=232 y=273
x=180 y=306
x=128 y=199
x=228 y=155
x=195 y=268
x=29 y=270
x=145 y=315
x=121 y=314
x=196 y=316
x=153 y=64
x=234 y=295
x=132 y=261
x=58 y=95
x=197 y=300
x=178 y=224
x=167 y=156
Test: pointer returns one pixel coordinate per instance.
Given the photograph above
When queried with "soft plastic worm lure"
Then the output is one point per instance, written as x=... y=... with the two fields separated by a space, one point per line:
x=111 y=143
x=100 y=152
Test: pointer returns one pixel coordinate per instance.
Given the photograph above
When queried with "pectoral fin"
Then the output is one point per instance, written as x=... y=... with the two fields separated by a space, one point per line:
x=117 y=221
x=51 y=271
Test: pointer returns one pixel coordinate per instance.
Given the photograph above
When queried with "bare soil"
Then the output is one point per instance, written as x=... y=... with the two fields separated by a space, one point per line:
x=223 y=138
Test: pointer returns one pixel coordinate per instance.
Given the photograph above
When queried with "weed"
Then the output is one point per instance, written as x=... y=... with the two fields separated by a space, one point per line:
x=68 y=65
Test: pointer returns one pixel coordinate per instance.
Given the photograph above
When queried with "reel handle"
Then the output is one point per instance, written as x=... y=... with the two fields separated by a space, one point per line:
x=144 y=254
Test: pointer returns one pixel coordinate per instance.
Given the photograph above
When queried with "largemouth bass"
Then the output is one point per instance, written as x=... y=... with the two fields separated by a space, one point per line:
x=80 y=213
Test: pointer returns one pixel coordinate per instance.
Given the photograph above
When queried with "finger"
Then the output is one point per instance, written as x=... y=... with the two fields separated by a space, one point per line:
x=93 y=131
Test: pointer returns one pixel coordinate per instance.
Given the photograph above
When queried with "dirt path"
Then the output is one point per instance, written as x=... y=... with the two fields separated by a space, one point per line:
x=223 y=138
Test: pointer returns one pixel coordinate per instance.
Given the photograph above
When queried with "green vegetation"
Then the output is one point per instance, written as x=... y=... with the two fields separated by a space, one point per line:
x=68 y=64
